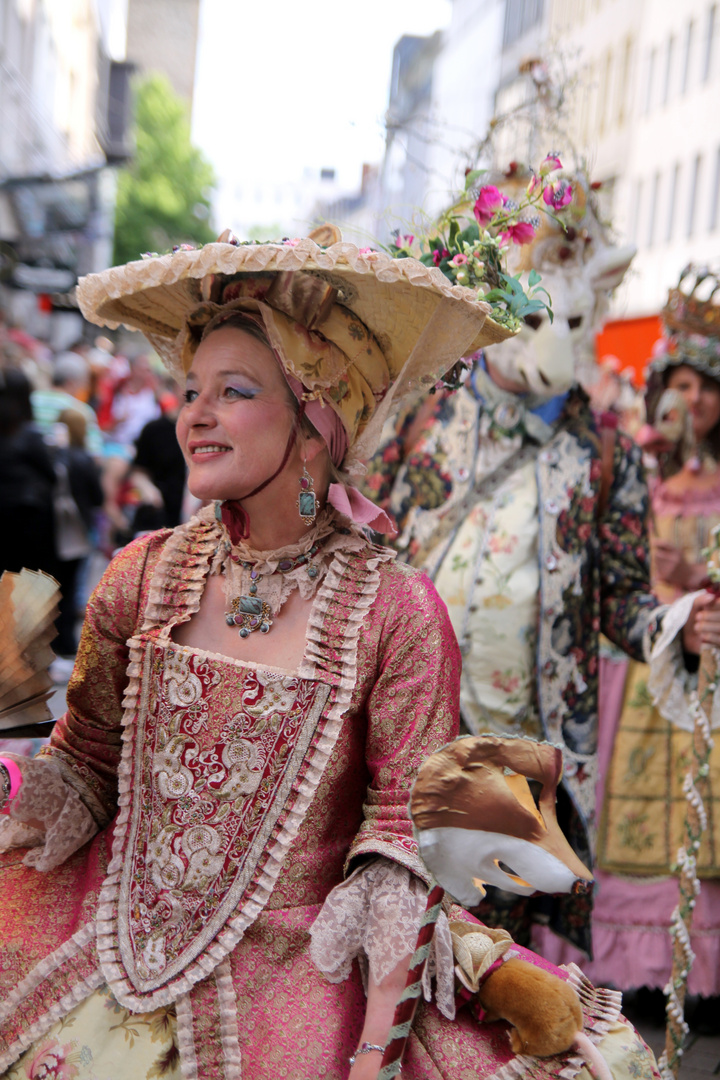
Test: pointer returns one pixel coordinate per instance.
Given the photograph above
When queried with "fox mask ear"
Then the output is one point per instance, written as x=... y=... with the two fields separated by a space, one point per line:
x=476 y=821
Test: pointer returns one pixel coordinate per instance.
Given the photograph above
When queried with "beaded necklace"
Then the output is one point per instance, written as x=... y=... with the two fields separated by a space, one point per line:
x=249 y=612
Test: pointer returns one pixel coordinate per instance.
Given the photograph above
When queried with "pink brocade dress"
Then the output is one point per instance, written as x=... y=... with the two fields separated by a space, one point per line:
x=232 y=802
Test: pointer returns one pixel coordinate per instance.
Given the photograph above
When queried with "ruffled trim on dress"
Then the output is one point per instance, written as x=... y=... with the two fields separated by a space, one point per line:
x=66 y=956
x=374 y=917
x=347 y=592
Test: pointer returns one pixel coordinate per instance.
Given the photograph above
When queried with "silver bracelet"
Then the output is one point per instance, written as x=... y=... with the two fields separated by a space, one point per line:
x=366 y=1048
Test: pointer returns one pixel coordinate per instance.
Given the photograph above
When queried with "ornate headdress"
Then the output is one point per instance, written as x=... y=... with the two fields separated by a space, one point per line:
x=692 y=324
x=361 y=331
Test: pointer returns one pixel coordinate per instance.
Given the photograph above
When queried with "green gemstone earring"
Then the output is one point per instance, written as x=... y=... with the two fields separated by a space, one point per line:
x=306 y=501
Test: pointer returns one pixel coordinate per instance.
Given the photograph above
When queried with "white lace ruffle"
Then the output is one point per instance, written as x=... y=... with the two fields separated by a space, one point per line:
x=374 y=916
x=44 y=798
x=669 y=684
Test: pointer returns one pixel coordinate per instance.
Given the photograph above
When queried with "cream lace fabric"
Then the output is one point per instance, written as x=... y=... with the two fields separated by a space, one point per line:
x=669 y=683
x=47 y=800
x=275 y=587
x=375 y=916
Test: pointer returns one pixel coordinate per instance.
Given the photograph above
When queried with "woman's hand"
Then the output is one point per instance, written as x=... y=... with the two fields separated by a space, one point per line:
x=379 y=1013
x=672 y=568
x=703 y=625
x=707 y=621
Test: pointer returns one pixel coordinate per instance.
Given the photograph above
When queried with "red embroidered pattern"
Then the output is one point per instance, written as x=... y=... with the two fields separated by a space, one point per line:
x=211 y=776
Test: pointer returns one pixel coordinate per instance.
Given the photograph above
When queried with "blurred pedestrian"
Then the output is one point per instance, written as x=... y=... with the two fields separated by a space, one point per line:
x=70 y=390
x=78 y=485
x=158 y=454
x=27 y=481
x=133 y=403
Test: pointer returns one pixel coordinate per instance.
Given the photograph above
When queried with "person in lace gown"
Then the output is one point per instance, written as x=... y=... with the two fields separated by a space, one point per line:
x=645 y=743
x=210 y=871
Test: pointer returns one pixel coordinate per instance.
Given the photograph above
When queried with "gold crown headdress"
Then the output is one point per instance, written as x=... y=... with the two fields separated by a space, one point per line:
x=692 y=322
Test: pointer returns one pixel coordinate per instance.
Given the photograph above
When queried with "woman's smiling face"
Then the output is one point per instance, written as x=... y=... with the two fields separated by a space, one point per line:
x=237 y=416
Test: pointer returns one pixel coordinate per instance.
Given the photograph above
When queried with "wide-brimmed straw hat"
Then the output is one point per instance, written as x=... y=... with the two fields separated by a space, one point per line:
x=420 y=324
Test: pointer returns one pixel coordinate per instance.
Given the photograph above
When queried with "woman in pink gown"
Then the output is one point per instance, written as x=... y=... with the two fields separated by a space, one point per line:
x=222 y=879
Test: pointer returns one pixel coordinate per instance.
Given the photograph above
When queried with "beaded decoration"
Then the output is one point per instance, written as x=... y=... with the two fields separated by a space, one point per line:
x=249 y=612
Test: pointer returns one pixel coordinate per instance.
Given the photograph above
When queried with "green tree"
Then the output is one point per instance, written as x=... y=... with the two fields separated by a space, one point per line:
x=163 y=196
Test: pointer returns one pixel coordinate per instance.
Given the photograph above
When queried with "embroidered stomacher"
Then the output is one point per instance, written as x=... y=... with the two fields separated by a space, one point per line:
x=220 y=763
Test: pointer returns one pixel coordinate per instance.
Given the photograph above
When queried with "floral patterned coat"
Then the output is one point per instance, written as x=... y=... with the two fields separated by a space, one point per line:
x=593 y=563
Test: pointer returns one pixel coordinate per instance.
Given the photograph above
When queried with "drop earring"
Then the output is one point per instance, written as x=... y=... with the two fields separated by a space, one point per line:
x=306 y=501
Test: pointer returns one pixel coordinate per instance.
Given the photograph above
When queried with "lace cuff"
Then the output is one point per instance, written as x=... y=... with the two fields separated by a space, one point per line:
x=46 y=816
x=669 y=684
x=374 y=916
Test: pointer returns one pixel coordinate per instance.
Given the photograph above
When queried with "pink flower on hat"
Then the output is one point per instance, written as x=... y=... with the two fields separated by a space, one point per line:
x=558 y=194
x=459 y=259
x=488 y=201
x=522 y=232
x=551 y=163
x=439 y=255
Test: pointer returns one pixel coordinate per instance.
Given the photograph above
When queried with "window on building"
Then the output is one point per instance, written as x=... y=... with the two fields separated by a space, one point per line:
x=709 y=42
x=652 y=212
x=623 y=82
x=715 y=194
x=521 y=16
x=694 y=185
x=636 y=209
x=689 y=36
x=650 y=85
x=669 y=62
x=672 y=199
x=604 y=99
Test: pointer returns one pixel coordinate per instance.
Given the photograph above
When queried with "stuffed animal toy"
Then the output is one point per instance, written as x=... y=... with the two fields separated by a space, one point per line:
x=477 y=821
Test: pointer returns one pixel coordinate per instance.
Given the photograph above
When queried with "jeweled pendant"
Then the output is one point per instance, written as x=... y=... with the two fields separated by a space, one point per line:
x=249 y=613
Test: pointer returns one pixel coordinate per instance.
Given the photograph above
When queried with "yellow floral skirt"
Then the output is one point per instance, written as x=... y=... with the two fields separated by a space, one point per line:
x=100 y=1039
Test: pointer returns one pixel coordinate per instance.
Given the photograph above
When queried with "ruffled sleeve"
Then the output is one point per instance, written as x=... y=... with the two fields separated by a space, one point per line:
x=374 y=917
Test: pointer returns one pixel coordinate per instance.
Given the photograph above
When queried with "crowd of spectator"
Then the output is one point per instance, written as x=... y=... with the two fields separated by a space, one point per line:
x=88 y=460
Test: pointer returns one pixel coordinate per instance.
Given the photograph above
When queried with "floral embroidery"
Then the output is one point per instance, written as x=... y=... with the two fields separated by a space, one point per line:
x=634 y=832
x=204 y=793
x=54 y=1061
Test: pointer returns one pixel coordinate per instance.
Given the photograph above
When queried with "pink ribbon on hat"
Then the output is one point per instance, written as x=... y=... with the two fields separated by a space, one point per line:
x=345 y=498
x=353 y=504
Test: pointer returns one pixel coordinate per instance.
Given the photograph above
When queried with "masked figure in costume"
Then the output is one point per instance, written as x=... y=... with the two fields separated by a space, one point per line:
x=528 y=513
